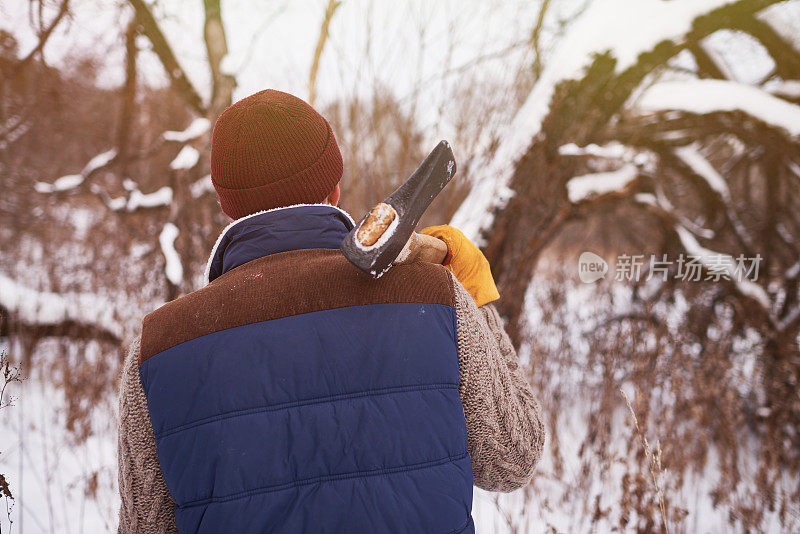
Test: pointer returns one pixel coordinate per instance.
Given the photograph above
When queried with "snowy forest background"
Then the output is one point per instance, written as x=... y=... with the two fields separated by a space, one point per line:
x=634 y=127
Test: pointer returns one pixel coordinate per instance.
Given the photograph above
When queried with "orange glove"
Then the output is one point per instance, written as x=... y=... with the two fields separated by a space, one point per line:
x=467 y=263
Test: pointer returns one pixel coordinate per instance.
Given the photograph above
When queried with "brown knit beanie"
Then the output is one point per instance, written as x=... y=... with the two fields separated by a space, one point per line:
x=272 y=149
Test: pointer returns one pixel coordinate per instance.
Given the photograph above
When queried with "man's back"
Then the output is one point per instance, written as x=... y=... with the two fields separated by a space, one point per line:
x=295 y=394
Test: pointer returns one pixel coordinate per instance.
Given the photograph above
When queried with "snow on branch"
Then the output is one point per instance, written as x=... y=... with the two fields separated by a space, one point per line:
x=65 y=183
x=709 y=96
x=784 y=88
x=692 y=157
x=72 y=181
x=230 y=64
x=173 y=267
x=599 y=29
x=660 y=202
x=42 y=309
x=725 y=263
x=186 y=159
x=582 y=187
x=198 y=127
x=136 y=199
x=795 y=168
x=201 y=186
x=716 y=59
x=615 y=151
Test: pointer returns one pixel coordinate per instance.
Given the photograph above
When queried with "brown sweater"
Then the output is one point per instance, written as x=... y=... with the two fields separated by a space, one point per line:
x=504 y=424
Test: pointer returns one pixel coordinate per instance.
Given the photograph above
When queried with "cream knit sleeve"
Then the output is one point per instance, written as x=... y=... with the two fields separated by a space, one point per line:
x=504 y=422
x=147 y=506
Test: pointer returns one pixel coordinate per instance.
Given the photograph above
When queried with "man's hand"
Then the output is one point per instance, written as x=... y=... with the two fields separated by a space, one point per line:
x=467 y=263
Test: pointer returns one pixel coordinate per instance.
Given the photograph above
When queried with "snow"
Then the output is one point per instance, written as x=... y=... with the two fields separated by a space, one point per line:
x=39 y=456
x=173 y=267
x=51 y=476
x=572 y=478
x=784 y=17
x=82 y=220
x=787 y=88
x=100 y=160
x=117 y=204
x=143 y=43
x=613 y=150
x=45 y=308
x=740 y=56
x=137 y=199
x=792 y=272
x=708 y=96
x=706 y=257
x=71 y=181
x=201 y=186
x=230 y=64
x=198 y=127
x=795 y=168
x=65 y=183
x=186 y=158
x=599 y=29
x=646 y=198
x=717 y=58
x=789 y=318
x=700 y=165
x=581 y=187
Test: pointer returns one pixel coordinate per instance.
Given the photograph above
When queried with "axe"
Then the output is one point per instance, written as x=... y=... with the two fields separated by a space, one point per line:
x=385 y=236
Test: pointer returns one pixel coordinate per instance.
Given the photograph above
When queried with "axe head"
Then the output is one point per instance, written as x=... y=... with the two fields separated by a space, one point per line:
x=377 y=240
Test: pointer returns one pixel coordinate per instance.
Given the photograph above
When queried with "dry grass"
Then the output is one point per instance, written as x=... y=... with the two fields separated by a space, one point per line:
x=706 y=401
x=9 y=374
x=654 y=461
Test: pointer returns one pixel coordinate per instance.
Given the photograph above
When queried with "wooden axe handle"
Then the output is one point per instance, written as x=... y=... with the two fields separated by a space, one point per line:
x=422 y=247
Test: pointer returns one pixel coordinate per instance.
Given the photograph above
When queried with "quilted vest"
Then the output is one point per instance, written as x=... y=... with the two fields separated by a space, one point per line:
x=294 y=394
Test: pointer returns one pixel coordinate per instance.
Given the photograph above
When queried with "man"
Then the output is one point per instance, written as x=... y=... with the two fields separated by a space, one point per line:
x=293 y=393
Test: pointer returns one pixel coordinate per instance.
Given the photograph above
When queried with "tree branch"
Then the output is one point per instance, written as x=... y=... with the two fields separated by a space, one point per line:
x=323 y=38
x=128 y=97
x=706 y=65
x=536 y=38
x=177 y=76
x=43 y=37
x=11 y=324
x=222 y=84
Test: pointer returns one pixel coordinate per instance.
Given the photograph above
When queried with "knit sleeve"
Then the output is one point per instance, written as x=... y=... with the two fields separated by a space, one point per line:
x=146 y=506
x=504 y=422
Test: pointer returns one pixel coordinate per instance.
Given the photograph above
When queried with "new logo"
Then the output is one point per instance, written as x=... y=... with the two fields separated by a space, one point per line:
x=591 y=267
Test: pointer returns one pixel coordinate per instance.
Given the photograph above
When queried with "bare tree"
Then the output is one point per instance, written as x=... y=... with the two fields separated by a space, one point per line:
x=716 y=180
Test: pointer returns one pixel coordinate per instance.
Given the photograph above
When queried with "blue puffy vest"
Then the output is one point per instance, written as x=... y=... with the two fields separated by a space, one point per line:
x=295 y=394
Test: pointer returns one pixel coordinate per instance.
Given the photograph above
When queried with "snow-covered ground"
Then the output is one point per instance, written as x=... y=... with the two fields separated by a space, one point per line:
x=64 y=487
x=59 y=486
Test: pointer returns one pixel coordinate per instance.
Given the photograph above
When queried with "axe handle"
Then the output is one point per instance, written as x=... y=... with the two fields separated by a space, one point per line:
x=422 y=247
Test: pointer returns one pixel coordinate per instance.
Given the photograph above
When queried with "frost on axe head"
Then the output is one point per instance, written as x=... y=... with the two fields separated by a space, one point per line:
x=377 y=240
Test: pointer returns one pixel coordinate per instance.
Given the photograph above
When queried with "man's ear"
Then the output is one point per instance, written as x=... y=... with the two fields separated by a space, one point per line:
x=333 y=196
